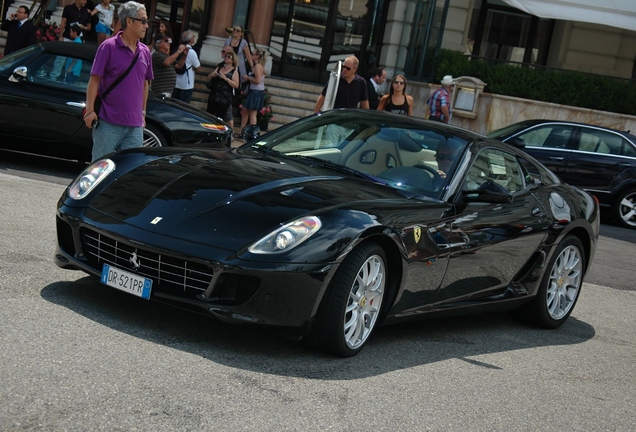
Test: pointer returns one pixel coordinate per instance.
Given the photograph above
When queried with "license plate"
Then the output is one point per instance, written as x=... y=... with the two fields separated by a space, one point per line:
x=126 y=281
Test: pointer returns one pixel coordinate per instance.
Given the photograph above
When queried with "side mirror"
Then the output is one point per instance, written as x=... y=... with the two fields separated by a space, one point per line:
x=19 y=74
x=488 y=192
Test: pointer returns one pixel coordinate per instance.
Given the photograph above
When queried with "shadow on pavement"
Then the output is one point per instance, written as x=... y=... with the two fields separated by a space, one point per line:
x=251 y=348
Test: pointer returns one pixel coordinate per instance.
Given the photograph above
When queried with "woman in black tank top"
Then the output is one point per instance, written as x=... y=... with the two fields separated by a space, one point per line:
x=397 y=101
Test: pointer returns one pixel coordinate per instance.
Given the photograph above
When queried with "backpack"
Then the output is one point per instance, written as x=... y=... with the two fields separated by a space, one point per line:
x=182 y=70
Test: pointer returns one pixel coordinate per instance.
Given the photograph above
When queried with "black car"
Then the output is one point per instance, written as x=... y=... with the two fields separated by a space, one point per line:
x=44 y=116
x=599 y=160
x=330 y=225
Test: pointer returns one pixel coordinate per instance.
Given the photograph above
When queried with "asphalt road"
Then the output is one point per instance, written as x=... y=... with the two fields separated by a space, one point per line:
x=75 y=355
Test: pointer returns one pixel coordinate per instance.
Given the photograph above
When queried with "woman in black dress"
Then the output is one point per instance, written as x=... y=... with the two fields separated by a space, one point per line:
x=222 y=82
x=397 y=101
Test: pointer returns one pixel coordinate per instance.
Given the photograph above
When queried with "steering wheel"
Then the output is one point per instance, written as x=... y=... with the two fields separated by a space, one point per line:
x=437 y=178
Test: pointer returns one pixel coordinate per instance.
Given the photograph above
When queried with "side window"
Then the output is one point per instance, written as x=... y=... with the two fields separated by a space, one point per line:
x=60 y=72
x=496 y=166
x=534 y=171
x=549 y=136
x=628 y=149
x=598 y=141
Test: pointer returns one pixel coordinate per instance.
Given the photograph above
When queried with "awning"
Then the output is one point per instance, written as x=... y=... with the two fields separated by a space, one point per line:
x=614 y=13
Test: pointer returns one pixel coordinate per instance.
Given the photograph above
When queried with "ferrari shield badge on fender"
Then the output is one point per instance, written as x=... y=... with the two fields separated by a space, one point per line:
x=417 y=233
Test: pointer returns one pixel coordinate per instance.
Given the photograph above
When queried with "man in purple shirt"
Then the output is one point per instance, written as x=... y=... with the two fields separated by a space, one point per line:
x=122 y=115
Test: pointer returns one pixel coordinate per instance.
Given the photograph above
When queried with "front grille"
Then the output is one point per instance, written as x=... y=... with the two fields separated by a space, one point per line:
x=170 y=275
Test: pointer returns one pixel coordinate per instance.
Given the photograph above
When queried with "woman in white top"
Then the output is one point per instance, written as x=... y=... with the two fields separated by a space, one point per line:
x=104 y=26
x=241 y=48
x=256 y=95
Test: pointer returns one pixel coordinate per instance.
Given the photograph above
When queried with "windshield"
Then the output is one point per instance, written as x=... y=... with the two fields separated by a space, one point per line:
x=403 y=152
x=512 y=129
x=13 y=60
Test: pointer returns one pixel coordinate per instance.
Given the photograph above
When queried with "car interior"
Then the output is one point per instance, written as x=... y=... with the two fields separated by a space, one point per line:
x=404 y=157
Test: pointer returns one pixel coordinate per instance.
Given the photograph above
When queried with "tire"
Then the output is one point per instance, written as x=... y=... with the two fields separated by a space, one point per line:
x=624 y=209
x=153 y=137
x=560 y=286
x=351 y=307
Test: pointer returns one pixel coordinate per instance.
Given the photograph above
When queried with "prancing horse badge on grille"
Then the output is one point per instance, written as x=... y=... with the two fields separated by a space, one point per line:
x=134 y=260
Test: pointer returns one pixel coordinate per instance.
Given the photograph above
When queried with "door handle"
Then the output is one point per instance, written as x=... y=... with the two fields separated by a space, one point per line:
x=557 y=158
x=624 y=165
x=77 y=104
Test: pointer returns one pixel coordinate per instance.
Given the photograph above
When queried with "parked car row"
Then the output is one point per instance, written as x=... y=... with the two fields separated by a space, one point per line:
x=44 y=116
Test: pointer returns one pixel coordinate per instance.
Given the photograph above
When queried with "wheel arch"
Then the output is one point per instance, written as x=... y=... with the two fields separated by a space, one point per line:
x=163 y=129
x=584 y=237
x=395 y=268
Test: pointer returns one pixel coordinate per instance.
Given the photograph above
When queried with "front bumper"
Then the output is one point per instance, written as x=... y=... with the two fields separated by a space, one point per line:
x=197 y=276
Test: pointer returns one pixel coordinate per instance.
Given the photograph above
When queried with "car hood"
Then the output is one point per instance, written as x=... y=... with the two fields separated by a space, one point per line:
x=227 y=200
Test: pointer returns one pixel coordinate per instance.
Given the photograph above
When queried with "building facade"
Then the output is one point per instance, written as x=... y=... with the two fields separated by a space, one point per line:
x=305 y=38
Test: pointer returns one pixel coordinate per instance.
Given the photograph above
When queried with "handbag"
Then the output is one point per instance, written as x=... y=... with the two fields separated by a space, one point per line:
x=97 y=105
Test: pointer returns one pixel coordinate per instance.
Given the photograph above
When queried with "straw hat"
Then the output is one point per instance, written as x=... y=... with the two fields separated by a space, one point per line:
x=447 y=80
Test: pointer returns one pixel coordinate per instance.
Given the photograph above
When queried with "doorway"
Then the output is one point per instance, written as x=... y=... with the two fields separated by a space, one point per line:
x=182 y=15
x=310 y=37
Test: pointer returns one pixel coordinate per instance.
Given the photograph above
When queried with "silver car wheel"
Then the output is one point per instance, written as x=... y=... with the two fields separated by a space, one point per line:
x=627 y=209
x=151 y=139
x=365 y=301
x=565 y=282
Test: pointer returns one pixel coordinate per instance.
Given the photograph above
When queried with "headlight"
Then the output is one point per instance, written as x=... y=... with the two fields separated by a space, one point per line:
x=287 y=237
x=91 y=177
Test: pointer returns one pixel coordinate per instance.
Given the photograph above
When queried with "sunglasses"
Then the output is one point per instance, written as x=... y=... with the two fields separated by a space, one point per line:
x=346 y=67
x=444 y=156
x=398 y=82
x=167 y=40
x=237 y=30
x=228 y=56
x=143 y=22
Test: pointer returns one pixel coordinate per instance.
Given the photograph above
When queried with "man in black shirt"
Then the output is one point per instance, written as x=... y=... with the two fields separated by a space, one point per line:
x=352 y=88
x=75 y=13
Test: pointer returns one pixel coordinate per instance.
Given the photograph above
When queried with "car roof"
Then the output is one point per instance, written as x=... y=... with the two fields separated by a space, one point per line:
x=85 y=51
x=535 y=122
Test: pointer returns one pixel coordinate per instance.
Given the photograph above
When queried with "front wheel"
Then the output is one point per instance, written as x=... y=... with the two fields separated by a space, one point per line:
x=352 y=304
x=153 y=137
x=560 y=286
x=624 y=209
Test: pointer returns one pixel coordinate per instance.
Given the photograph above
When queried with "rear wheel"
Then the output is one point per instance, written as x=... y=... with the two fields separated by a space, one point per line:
x=560 y=286
x=624 y=209
x=350 y=310
x=153 y=137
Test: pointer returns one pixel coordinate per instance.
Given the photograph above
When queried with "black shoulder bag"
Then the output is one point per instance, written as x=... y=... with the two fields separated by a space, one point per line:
x=97 y=105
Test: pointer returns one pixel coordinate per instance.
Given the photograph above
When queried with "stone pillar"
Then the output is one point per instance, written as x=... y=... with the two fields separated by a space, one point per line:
x=221 y=16
x=261 y=21
x=396 y=36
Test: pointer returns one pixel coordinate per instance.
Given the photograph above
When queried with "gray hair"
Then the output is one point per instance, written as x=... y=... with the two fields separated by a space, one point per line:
x=129 y=10
x=187 y=35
